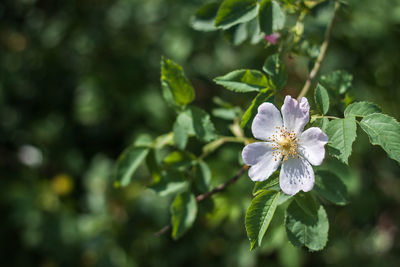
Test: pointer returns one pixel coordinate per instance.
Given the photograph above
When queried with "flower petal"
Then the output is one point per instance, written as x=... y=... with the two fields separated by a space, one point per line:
x=259 y=157
x=296 y=174
x=266 y=121
x=311 y=145
x=295 y=114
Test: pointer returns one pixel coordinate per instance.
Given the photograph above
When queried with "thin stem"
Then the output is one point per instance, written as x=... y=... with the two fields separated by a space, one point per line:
x=201 y=197
x=322 y=116
x=321 y=55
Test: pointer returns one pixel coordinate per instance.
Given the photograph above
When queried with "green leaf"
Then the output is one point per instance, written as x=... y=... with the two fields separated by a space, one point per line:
x=237 y=34
x=180 y=135
x=203 y=19
x=259 y=215
x=361 y=109
x=307 y=230
x=202 y=177
x=342 y=133
x=384 y=131
x=183 y=211
x=254 y=32
x=176 y=88
x=128 y=162
x=232 y=12
x=202 y=124
x=226 y=113
x=263 y=96
x=243 y=81
x=272 y=181
x=276 y=71
x=180 y=160
x=321 y=99
x=171 y=182
x=337 y=81
x=307 y=202
x=270 y=17
x=330 y=187
x=196 y=121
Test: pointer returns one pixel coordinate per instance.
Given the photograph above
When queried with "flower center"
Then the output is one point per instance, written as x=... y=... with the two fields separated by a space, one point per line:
x=284 y=144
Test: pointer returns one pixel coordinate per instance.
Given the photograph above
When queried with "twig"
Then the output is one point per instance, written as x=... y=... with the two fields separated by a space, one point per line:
x=321 y=55
x=201 y=197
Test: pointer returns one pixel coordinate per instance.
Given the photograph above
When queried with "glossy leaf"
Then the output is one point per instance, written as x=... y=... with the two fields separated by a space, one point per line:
x=259 y=216
x=384 y=131
x=232 y=12
x=243 y=81
x=183 y=214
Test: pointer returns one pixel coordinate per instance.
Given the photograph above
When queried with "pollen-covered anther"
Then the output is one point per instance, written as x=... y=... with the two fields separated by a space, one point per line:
x=284 y=144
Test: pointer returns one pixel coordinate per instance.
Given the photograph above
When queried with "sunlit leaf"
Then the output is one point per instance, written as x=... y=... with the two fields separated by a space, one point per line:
x=243 y=81
x=341 y=133
x=271 y=17
x=361 y=109
x=321 y=98
x=128 y=162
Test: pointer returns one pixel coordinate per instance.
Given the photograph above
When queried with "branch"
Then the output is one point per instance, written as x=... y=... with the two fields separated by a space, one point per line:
x=321 y=55
x=201 y=197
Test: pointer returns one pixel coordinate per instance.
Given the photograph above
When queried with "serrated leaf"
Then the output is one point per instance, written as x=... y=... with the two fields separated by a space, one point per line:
x=183 y=214
x=270 y=17
x=321 y=99
x=259 y=215
x=263 y=96
x=342 y=133
x=276 y=71
x=128 y=162
x=361 y=109
x=338 y=81
x=203 y=19
x=171 y=182
x=305 y=230
x=267 y=184
x=232 y=12
x=180 y=135
x=202 y=177
x=384 y=131
x=243 y=81
x=330 y=187
x=176 y=88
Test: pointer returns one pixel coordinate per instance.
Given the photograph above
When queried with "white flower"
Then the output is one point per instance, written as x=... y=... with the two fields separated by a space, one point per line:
x=287 y=143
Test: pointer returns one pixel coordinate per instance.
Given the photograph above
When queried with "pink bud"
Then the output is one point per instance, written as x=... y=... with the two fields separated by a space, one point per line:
x=272 y=38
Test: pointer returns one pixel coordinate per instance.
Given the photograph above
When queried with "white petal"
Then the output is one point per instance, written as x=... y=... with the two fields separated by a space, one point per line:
x=266 y=121
x=295 y=114
x=259 y=157
x=311 y=145
x=296 y=174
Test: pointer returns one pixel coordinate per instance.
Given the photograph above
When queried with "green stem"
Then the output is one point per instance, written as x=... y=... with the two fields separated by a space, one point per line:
x=322 y=116
x=321 y=56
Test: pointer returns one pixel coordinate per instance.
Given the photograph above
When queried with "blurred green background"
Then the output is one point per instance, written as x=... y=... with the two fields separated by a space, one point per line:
x=79 y=80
